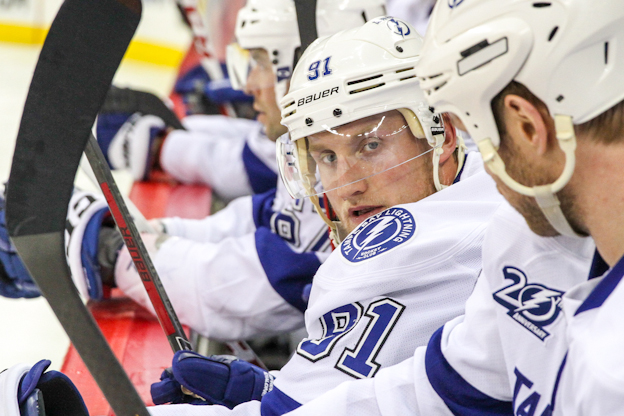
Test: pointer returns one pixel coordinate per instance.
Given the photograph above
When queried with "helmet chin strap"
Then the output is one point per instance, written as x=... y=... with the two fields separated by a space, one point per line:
x=545 y=195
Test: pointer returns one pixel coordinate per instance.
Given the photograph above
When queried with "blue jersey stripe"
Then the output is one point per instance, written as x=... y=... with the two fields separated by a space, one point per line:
x=276 y=403
x=288 y=271
x=262 y=208
x=460 y=397
x=261 y=177
x=602 y=291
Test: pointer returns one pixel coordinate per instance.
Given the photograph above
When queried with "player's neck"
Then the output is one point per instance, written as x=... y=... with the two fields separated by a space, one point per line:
x=600 y=195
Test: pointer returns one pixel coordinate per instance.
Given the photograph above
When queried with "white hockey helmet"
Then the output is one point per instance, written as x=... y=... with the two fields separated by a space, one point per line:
x=272 y=25
x=347 y=77
x=564 y=52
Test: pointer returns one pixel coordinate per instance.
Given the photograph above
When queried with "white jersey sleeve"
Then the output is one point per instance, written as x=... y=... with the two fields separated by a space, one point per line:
x=231 y=155
x=241 y=273
x=592 y=378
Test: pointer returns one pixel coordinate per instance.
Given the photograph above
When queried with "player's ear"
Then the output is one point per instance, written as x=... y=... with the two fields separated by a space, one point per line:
x=526 y=123
x=450 y=139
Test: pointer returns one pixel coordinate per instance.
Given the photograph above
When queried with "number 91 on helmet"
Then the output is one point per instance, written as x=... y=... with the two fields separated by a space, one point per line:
x=354 y=111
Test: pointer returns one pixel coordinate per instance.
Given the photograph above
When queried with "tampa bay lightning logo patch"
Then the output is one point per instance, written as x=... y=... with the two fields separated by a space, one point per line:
x=379 y=234
x=533 y=306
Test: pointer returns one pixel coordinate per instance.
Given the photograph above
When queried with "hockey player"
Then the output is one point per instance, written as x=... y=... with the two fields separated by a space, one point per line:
x=236 y=274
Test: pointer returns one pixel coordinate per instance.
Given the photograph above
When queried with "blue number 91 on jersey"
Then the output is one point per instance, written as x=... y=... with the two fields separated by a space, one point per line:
x=379 y=234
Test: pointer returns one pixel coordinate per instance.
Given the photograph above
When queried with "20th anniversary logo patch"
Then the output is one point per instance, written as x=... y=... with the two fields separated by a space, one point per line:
x=379 y=234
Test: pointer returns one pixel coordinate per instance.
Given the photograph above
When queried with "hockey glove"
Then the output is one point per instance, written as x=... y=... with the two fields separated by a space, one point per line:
x=15 y=281
x=85 y=216
x=218 y=379
x=23 y=391
x=130 y=141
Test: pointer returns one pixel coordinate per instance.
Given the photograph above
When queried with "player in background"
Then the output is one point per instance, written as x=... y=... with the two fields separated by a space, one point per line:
x=405 y=267
x=235 y=157
x=236 y=274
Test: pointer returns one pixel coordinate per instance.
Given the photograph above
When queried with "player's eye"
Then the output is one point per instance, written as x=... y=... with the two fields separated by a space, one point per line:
x=371 y=145
x=328 y=158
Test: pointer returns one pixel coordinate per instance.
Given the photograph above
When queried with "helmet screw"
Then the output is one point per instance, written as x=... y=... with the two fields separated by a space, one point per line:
x=275 y=52
x=275 y=61
x=400 y=49
x=436 y=119
x=337 y=112
x=309 y=121
x=432 y=109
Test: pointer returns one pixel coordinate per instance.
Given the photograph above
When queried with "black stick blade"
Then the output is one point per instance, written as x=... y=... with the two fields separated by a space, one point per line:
x=77 y=63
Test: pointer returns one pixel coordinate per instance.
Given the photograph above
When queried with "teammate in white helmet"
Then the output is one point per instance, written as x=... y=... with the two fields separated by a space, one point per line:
x=241 y=272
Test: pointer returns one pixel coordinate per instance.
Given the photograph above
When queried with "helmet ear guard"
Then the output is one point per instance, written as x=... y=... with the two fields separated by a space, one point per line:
x=431 y=125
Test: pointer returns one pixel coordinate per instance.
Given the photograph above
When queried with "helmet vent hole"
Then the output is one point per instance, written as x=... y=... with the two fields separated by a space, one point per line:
x=606 y=52
x=367 y=88
x=289 y=104
x=357 y=81
x=552 y=33
x=541 y=4
x=560 y=98
x=435 y=76
x=410 y=77
x=439 y=86
x=398 y=71
x=290 y=114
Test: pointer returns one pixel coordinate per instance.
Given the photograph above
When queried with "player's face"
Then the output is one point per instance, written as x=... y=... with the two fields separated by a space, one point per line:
x=346 y=156
x=261 y=84
x=528 y=165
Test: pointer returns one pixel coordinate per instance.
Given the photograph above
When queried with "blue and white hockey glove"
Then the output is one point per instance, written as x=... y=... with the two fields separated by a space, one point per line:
x=15 y=281
x=23 y=391
x=83 y=231
x=130 y=141
x=83 y=234
x=218 y=379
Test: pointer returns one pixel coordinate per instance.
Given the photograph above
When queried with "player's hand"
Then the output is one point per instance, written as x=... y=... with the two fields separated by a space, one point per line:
x=131 y=141
x=34 y=386
x=218 y=379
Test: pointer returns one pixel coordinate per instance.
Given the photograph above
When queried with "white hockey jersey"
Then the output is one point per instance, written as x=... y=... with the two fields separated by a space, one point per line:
x=241 y=272
x=502 y=356
x=592 y=378
x=390 y=284
x=231 y=155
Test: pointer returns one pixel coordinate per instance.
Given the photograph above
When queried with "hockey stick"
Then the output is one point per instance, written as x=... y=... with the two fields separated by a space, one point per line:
x=81 y=53
x=101 y=176
x=306 y=20
x=142 y=261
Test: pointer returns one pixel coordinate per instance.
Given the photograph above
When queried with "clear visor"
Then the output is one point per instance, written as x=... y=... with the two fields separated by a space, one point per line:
x=360 y=156
x=249 y=69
